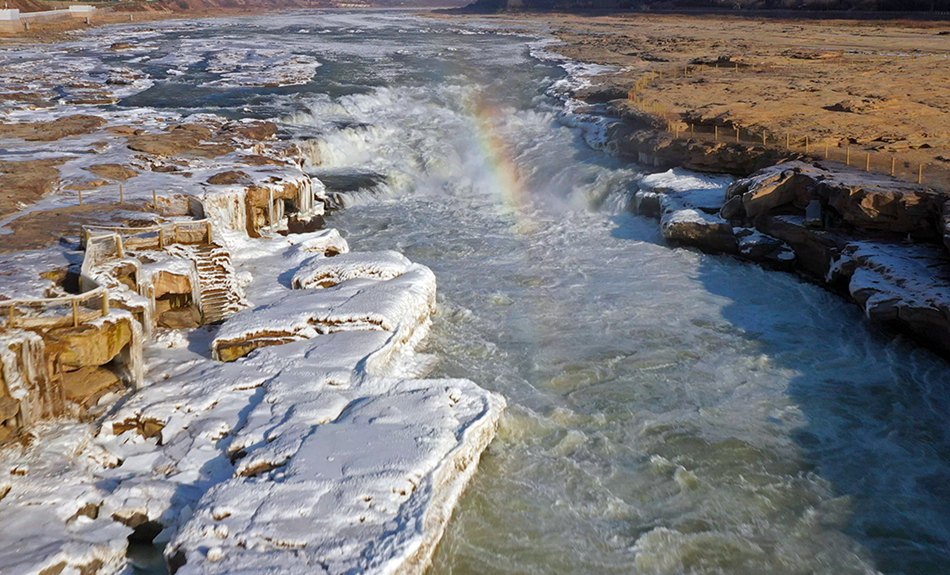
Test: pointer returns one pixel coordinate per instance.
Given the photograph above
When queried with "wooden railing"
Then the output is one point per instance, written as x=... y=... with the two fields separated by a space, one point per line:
x=44 y=312
x=154 y=237
x=101 y=243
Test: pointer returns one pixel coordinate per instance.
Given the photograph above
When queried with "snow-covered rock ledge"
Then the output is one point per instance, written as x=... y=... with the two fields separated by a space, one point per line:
x=321 y=452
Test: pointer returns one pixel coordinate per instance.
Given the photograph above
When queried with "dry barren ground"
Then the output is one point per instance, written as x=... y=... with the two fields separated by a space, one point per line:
x=879 y=86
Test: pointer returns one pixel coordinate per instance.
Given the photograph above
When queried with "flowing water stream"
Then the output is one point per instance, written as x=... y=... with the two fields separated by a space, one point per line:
x=669 y=411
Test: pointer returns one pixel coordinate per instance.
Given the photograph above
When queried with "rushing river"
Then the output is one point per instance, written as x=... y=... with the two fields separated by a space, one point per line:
x=669 y=411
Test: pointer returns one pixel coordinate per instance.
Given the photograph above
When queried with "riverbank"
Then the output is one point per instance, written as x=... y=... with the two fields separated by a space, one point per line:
x=184 y=344
x=809 y=131
x=875 y=86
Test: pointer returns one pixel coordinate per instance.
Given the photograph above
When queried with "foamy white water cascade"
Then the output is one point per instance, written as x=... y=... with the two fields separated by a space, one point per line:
x=669 y=412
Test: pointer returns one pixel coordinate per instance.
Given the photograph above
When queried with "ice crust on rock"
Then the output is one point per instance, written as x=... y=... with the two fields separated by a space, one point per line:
x=401 y=305
x=318 y=455
x=367 y=491
x=322 y=272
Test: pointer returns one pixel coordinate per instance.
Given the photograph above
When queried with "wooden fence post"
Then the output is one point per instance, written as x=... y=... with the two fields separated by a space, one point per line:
x=105 y=304
x=920 y=174
x=11 y=319
x=75 y=303
x=737 y=135
x=121 y=194
x=80 y=197
x=788 y=141
x=847 y=157
x=893 y=165
x=867 y=162
x=208 y=231
x=154 y=200
x=161 y=238
x=826 y=150
x=716 y=128
x=806 y=145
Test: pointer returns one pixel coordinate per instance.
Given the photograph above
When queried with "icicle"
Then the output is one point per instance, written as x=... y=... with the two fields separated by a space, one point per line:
x=23 y=355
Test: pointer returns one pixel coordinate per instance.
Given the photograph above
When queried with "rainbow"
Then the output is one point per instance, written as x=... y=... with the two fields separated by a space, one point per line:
x=506 y=177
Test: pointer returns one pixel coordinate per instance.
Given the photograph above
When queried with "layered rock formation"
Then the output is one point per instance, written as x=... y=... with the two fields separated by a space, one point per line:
x=877 y=240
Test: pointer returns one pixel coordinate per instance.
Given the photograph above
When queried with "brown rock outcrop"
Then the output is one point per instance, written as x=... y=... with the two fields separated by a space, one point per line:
x=113 y=171
x=229 y=178
x=90 y=345
x=234 y=350
x=54 y=129
x=647 y=146
x=184 y=140
x=86 y=385
x=814 y=249
x=866 y=202
x=258 y=131
x=22 y=183
x=694 y=228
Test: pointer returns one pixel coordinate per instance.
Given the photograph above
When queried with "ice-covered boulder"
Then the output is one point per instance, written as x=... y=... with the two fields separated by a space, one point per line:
x=401 y=305
x=684 y=224
x=902 y=284
x=323 y=272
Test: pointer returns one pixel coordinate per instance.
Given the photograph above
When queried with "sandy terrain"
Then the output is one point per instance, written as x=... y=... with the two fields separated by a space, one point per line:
x=54 y=30
x=880 y=86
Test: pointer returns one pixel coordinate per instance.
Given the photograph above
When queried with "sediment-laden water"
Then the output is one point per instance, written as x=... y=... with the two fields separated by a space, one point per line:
x=669 y=411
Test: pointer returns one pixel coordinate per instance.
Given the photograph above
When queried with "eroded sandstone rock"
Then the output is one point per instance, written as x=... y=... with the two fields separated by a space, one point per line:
x=86 y=385
x=867 y=202
x=113 y=171
x=90 y=345
x=53 y=130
